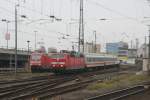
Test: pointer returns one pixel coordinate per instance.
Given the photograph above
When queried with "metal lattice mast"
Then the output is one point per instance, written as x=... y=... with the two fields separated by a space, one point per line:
x=81 y=29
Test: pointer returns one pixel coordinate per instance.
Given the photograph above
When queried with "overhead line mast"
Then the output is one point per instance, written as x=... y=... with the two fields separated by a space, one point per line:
x=81 y=29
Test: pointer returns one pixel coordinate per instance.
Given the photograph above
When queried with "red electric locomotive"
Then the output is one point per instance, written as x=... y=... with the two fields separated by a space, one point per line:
x=67 y=61
x=40 y=62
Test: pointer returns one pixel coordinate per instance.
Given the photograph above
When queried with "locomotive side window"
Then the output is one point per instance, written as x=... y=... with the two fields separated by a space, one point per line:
x=72 y=55
x=57 y=56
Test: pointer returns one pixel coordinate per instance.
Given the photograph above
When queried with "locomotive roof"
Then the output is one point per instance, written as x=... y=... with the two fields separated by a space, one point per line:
x=99 y=55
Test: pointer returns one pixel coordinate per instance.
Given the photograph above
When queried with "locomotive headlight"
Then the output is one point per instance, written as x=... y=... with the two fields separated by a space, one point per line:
x=53 y=65
x=61 y=65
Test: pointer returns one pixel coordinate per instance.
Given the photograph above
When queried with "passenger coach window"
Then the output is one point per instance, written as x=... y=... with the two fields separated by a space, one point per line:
x=88 y=59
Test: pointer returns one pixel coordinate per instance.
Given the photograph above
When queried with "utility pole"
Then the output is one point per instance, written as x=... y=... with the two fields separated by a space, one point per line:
x=95 y=41
x=137 y=43
x=7 y=33
x=35 y=39
x=28 y=54
x=146 y=58
x=92 y=50
x=145 y=47
x=131 y=44
x=81 y=29
x=149 y=50
x=16 y=38
x=145 y=40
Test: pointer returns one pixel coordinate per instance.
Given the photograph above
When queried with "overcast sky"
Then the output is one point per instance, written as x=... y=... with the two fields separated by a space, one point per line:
x=126 y=21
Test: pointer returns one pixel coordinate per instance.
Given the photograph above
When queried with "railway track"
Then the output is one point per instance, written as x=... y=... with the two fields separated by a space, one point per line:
x=23 y=80
x=121 y=94
x=22 y=89
x=48 y=93
x=17 y=90
x=46 y=88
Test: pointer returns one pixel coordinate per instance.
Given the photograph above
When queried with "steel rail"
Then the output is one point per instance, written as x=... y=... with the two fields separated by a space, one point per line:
x=119 y=94
x=33 y=87
x=53 y=91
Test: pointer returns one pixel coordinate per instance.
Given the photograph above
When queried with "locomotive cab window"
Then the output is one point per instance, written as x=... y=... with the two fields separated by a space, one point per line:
x=81 y=55
x=35 y=57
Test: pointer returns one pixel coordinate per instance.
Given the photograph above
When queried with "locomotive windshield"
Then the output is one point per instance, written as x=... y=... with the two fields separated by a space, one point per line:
x=57 y=56
x=35 y=57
